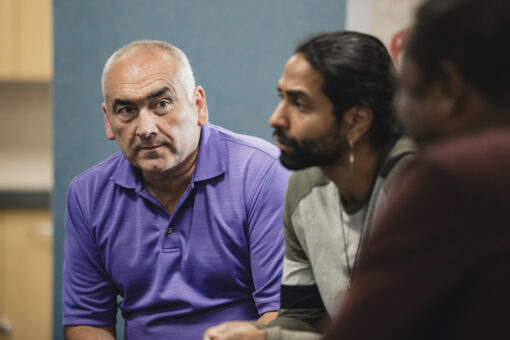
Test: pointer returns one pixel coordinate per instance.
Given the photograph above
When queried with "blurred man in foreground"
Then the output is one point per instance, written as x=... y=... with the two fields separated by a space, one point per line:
x=437 y=264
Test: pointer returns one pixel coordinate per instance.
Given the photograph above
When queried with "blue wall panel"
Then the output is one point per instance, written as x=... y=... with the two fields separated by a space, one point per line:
x=237 y=49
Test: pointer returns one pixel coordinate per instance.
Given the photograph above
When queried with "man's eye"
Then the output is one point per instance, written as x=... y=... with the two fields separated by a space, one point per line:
x=163 y=106
x=125 y=111
x=299 y=104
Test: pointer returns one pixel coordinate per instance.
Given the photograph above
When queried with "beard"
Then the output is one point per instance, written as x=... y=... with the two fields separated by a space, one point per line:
x=324 y=150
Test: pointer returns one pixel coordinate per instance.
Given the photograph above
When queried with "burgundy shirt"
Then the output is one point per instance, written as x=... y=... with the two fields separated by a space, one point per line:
x=437 y=263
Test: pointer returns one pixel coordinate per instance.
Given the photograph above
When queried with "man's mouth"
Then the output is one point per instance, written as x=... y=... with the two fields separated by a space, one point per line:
x=283 y=143
x=149 y=147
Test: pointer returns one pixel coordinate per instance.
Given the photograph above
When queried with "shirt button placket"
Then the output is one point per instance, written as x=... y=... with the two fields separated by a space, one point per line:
x=169 y=230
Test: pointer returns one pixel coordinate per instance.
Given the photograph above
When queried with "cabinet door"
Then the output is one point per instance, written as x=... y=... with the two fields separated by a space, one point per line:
x=35 y=58
x=26 y=273
x=7 y=39
x=26 y=40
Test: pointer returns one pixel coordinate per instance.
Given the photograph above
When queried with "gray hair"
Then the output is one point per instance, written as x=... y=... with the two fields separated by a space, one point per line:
x=184 y=75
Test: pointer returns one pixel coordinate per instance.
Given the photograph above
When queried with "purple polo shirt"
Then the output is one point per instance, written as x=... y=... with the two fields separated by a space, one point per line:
x=217 y=257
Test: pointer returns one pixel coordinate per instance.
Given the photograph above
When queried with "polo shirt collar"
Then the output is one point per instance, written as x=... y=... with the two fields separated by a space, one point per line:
x=126 y=175
x=211 y=162
x=212 y=155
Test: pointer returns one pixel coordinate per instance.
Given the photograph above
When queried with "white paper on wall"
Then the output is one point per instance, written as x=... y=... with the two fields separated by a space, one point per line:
x=388 y=20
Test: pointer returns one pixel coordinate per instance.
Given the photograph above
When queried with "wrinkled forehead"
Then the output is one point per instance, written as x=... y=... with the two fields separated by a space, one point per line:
x=140 y=70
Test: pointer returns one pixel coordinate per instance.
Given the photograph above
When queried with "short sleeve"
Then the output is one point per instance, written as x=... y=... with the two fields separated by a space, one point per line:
x=265 y=237
x=88 y=296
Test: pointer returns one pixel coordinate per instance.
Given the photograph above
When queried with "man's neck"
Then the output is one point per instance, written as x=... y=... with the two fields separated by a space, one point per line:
x=356 y=182
x=168 y=187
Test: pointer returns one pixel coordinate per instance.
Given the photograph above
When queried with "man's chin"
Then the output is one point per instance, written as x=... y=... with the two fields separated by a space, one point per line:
x=293 y=162
x=153 y=166
x=307 y=160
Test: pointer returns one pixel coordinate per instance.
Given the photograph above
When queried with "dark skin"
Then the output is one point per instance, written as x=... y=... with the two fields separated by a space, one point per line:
x=444 y=107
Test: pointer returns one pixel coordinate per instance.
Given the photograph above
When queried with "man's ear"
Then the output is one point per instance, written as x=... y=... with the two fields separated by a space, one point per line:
x=109 y=132
x=449 y=91
x=200 y=105
x=357 y=120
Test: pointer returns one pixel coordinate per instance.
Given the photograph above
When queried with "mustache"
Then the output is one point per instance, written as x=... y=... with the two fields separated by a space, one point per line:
x=282 y=138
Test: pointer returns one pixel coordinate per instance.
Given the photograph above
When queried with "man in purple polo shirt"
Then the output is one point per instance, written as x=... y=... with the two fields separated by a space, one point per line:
x=184 y=223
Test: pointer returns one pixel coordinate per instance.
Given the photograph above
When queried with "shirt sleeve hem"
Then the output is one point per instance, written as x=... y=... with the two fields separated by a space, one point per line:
x=72 y=320
x=268 y=306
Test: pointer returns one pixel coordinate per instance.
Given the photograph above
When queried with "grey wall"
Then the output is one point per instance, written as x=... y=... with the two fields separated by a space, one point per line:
x=237 y=49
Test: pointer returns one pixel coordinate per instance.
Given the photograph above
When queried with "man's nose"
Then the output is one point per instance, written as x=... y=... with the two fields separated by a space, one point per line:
x=279 y=117
x=147 y=124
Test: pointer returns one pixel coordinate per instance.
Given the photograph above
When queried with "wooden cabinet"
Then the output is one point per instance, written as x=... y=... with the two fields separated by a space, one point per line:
x=26 y=40
x=25 y=273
